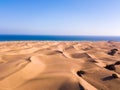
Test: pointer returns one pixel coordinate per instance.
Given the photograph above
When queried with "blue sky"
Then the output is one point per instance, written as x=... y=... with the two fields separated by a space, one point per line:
x=60 y=17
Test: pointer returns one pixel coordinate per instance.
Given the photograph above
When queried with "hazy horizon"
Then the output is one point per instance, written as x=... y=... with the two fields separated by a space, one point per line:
x=60 y=17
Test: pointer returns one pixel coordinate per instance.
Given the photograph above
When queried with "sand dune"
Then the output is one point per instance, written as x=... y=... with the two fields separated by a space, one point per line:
x=33 y=65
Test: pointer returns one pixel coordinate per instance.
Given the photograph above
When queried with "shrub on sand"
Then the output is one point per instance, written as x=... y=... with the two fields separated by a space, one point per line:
x=114 y=76
x=117 y=63
x=81 y=72
x=110 y=67
x=113 y=51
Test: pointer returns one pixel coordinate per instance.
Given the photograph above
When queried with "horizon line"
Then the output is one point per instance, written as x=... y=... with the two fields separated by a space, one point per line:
x=58 y=35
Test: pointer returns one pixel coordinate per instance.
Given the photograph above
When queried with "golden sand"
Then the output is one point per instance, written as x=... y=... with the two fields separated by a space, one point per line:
x=34 y=65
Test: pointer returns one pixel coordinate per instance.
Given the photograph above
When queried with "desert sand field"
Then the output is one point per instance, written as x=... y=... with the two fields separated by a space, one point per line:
x=45 y=65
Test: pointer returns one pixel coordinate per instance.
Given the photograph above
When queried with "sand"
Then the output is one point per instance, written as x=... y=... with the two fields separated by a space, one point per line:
x=45 y=65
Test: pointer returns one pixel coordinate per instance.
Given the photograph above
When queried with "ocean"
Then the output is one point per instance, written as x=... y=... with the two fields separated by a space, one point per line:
x=57 y=38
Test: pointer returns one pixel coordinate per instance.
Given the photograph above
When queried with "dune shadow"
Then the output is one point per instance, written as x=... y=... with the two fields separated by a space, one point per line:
x=71 y=86
x=1 y=62
x=81 y=87
x=107 y=78
x=80 y=55
x=55 y=52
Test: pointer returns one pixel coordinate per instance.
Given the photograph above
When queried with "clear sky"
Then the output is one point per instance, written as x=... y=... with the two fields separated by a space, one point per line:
x=60 y=17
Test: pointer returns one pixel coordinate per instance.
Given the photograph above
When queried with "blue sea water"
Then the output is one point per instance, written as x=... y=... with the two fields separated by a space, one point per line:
x=57 y=38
